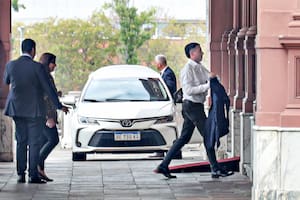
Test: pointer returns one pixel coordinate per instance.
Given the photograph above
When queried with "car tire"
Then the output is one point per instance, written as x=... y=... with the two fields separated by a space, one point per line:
x=78 y=156
x=178 y=155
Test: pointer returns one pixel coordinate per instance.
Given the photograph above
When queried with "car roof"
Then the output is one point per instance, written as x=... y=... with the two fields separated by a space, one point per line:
x=122 y=71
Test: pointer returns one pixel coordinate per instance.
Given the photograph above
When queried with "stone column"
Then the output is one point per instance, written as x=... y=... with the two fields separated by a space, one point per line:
x=232 y=85
x=224 y=61
x=219 y=29
x=6 y=144
x=225 y=81
x=247 y=103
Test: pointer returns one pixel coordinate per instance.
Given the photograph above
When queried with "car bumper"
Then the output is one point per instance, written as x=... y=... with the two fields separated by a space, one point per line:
x=98 y=139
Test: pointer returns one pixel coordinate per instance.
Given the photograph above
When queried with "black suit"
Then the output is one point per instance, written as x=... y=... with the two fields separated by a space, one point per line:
x=170 y=80
x=28 y=83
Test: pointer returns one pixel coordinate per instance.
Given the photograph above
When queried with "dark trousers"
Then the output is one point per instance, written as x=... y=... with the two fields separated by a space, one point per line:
x=194 y=116
x=28 y=131
x=48 y=140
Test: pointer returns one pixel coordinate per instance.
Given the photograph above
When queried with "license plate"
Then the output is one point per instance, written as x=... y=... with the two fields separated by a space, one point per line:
x=127 y=136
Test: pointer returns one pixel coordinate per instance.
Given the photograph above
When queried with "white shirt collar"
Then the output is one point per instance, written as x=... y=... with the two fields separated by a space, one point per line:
x=163 y=70
x=193 y=63
x=27 y=54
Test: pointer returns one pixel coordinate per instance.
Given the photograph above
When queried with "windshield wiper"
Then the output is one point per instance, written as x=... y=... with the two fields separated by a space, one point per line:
x=119 y=100
x=92 y=100
x=115 y=100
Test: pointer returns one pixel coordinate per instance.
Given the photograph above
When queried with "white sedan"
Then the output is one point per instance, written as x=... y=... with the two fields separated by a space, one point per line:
x=123 y=108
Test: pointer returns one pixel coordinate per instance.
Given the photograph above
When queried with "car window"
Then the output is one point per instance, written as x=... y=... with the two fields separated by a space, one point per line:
x=125 y=89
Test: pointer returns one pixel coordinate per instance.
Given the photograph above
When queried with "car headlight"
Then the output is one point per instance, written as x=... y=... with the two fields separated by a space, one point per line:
x=88 y=120
x=164 y=119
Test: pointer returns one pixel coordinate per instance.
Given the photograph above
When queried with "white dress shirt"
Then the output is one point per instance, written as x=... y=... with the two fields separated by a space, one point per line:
x=194 y=81
x=163 y=70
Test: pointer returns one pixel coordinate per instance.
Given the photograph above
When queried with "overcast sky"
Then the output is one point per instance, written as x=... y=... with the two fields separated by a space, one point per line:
x=40 y=9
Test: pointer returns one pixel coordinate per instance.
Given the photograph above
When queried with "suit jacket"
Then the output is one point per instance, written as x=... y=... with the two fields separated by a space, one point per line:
x=217 y=123
x=28 y=84
x=170 y=79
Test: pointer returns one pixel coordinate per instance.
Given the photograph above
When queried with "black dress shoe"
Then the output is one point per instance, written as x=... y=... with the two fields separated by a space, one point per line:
x=36 y=180
x=222 y=173
x=46 y=178
x=21 y=179
x=164 y=171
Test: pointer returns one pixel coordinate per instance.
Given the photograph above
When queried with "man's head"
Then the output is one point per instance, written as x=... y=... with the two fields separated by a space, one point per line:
x=49 y=60
x=194 y=52
x=160 y=62
x=28 y=46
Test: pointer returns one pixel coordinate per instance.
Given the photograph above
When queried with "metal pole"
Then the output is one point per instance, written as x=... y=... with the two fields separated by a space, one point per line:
x=21 y=30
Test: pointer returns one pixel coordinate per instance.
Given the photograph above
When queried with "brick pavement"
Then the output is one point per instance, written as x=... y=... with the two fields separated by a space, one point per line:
x=124 y=179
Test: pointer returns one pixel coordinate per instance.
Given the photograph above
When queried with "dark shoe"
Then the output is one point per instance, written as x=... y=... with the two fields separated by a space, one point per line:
x=21 y=179
x=36 y=180
x=164 y=171
x=222 y=173
x=44 y=177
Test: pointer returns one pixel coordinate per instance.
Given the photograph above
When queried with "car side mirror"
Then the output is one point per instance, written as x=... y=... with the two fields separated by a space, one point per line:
x=69 y=101
x=178 y=96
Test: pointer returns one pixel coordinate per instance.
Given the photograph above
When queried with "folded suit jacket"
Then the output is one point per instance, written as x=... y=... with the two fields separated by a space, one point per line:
x=217 y=123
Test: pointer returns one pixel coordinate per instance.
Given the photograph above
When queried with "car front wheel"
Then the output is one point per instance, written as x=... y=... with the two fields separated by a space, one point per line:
x=78 y=156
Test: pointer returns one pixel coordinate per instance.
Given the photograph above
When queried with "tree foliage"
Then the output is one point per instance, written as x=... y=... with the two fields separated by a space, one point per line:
x=16 y=6
x=105 y=38
x=81 y=47
x=135 y=28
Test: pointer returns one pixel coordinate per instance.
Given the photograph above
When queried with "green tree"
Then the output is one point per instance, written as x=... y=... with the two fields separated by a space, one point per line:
x=135 y=28
x=81 y=46
x=16 y=6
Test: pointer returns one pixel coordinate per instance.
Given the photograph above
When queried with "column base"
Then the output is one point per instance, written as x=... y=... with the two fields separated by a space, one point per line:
x=235 y=132
x=275 y=163
x=245 y=157
x=6 y=143
x=275 y=194
x=6 y=157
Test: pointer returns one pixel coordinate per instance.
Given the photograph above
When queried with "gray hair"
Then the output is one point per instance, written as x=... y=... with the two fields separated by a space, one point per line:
x=161 y=59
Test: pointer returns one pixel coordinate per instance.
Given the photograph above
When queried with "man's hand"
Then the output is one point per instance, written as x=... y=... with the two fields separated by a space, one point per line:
x=50 y=123
x=65 y=109
x=212 y=75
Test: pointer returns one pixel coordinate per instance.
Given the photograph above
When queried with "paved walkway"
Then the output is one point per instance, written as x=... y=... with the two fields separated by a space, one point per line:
x=120 y=179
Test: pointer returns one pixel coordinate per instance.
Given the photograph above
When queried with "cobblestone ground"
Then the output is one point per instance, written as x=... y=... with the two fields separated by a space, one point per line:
x=120 y=179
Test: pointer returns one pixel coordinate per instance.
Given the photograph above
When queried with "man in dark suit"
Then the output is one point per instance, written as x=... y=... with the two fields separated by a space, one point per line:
x=28 y=84
x=169 y=78
x=166 y=73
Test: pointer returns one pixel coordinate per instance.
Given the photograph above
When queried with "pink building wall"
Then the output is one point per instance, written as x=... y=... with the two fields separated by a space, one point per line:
x=6 y=139
x=278 y=52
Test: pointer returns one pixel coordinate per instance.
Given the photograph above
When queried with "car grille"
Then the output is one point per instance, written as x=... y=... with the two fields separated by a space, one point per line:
x=105 y=138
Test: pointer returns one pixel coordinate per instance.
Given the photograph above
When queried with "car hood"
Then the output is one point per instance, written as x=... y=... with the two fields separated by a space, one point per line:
x=125 y=110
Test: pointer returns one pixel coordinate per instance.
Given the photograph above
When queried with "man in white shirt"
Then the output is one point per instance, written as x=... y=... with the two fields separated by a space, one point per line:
x=194 y=79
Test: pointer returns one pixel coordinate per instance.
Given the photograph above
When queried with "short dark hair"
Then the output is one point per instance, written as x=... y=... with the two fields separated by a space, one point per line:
x=189 y=47
x=27 y=45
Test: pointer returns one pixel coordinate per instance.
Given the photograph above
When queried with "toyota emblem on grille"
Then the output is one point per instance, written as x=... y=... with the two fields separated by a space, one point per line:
x=126 y=123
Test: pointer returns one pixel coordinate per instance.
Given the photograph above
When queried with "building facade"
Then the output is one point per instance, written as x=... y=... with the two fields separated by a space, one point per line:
x=255 y=48
x=6 y=144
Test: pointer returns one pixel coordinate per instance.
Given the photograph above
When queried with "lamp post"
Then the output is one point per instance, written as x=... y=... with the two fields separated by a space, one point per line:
x=21 y=30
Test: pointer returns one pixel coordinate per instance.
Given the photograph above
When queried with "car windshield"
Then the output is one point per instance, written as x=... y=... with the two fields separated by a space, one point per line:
x=125 y=89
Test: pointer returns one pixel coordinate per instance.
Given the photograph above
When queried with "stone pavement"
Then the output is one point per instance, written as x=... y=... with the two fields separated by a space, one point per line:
x=123 y=178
